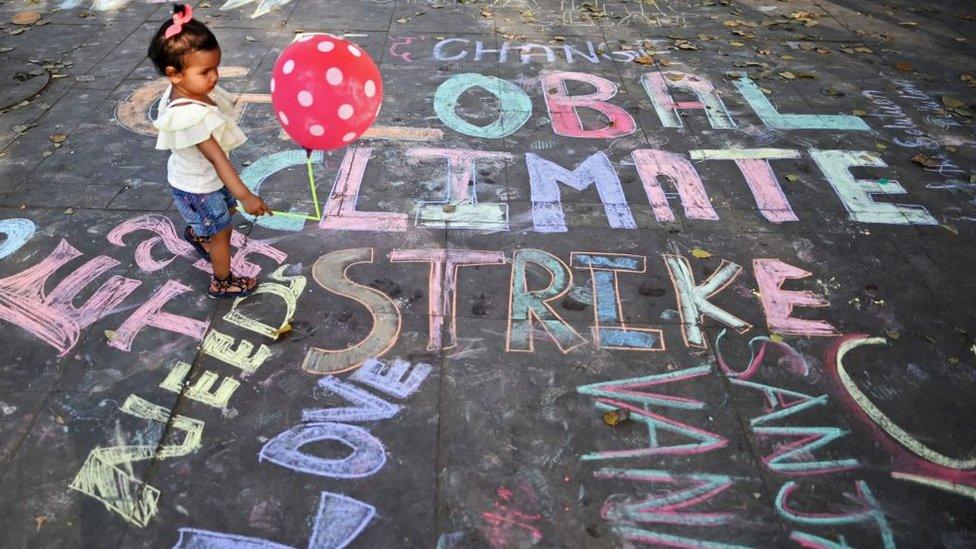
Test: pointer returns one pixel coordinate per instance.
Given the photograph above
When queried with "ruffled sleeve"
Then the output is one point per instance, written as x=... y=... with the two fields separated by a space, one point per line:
x=190 y=124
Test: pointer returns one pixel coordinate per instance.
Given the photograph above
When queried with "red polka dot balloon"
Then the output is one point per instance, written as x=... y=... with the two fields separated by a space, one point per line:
x=326 y=91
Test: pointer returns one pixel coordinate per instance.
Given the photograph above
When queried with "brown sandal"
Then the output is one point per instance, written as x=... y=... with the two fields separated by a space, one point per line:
x=232 y=287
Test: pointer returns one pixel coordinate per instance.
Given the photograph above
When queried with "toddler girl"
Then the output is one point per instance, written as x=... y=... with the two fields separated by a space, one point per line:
x=196 y=123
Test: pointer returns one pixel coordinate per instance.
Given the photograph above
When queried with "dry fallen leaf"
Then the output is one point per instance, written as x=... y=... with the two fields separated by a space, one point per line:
x=26 y=18
x=904 y=66
x=58 y=138
x=615 y=417
x=674 y=77
x=859 y=112
x=700 y=253
x=644 y=60
x=805 y=17
x=952 y=102
x=925 y=161
x=283 y=330
x=775 y=338
x=792 y=177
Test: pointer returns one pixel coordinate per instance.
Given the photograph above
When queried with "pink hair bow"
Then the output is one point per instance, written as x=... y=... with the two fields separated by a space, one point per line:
x=178 y=21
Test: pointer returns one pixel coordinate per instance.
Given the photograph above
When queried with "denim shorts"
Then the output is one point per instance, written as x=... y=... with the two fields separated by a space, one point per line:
x=206 y=213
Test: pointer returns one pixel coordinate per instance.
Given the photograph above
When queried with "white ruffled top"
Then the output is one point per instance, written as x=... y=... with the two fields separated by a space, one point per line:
x=183 y=124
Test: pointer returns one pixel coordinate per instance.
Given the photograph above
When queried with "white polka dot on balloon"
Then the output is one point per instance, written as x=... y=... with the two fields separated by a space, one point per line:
x=326 y=46
x=345 y=111
x=283 y=118
x=348 y=137
x=305 y=98
x=369 y=88
x=272 y=85
x=288 y=67
x=354 y=50
x=317 y=130
x=334 y=76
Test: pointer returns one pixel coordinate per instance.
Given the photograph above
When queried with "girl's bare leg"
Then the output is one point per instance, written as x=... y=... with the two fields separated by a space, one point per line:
x=219 y=249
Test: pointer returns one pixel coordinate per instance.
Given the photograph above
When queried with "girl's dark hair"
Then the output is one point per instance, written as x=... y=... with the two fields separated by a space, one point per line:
x=168 y=52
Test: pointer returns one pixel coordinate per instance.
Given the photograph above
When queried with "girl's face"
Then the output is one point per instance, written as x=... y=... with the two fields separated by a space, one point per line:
x=199 y=74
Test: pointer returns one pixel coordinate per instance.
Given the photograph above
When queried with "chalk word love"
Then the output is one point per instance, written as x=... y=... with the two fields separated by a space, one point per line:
x=339 y=519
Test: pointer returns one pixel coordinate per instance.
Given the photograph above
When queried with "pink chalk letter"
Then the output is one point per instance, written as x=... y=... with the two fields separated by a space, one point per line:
x=442 y=285
x=778 y=303
x=564 y=108
x=652 y=164
x=165 y=235
x=52 y=317
x=151 y=314
x=340 y=210
x=658 y=91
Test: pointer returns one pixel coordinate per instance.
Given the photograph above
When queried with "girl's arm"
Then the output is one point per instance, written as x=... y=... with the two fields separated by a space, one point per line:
x=228 y=175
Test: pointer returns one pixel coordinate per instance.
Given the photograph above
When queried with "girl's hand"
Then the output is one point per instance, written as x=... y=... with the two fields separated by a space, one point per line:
x=228 y=175
x=255 y=206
